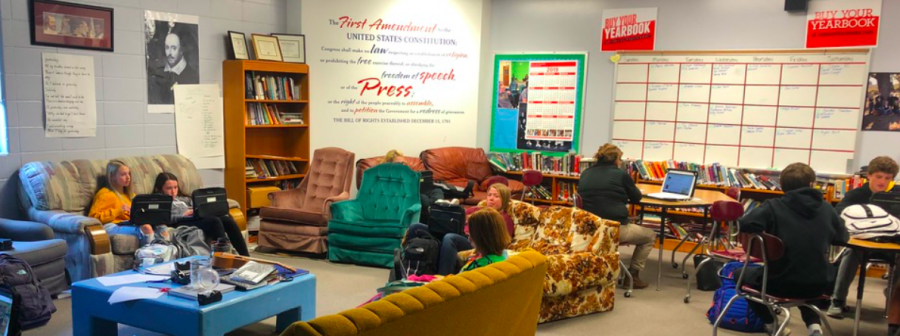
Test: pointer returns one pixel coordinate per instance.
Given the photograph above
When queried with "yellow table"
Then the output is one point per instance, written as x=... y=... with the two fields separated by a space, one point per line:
x=867 y=247
x=702 y=199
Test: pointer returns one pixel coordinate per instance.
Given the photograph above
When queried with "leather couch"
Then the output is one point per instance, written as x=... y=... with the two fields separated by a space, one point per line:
x=458 y=165
x=34 y=243
x=499 y=299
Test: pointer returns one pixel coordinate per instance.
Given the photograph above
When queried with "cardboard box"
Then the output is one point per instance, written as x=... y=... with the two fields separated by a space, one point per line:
x=258 y=197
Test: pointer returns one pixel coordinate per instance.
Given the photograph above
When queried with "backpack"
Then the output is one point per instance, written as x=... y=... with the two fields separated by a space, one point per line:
x=190 y=241
x=708 y=277
x=420 y=255
x=739 y=317
x=159 y=251
x=867 y=221
x=31 y=301
x=446 y=218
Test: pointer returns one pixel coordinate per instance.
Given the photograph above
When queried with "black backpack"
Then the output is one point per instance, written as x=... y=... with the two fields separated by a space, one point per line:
x=31 y=301
x=446 y=218
x=420 y=255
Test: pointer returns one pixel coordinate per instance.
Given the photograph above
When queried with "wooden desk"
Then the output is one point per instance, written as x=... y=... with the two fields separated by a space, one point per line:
x=702 y=199
x=867 y=247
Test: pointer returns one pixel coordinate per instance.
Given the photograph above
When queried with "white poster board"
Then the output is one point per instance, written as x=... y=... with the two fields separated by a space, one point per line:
x=199 y=125
x=70 y=101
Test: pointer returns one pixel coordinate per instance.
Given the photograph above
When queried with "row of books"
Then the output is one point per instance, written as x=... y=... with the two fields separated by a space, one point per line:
x=289 y=184
x=565 y=191
x=538 y=192
x=713 y=174
x=271 y=114
x=263 y=168
x=569 y=164
x=841 y=186
x=271 y=87
x=750 y=204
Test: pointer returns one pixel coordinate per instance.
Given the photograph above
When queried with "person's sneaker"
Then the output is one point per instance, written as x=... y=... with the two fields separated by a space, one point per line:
x=787 y=331
x=836 y=311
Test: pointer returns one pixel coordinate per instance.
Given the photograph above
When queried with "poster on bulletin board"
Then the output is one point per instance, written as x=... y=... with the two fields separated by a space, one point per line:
x=537 y=102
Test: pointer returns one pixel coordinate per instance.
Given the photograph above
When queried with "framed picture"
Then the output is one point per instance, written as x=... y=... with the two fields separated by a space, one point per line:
x=293 y=47
x=266 y=48
x=69 y=25
x=238 y=45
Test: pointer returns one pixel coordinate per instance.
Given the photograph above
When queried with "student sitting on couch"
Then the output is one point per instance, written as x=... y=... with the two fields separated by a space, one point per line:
x=489 y=237
x=112 y=205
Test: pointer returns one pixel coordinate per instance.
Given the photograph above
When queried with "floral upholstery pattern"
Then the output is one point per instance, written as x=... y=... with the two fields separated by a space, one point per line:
x=582 y=257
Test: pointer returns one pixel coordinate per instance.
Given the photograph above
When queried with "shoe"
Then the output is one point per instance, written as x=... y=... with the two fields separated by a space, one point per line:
x=638 y=283
x=787 y=331
x=836 y=310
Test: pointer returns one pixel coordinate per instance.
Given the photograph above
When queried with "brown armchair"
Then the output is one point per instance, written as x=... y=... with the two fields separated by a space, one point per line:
x=414 y=163
x=298 y=218
x=458 y=165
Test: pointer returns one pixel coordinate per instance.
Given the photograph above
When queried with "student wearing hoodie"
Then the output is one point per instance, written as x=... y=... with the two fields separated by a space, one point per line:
x=881 y=173
x=808 y=226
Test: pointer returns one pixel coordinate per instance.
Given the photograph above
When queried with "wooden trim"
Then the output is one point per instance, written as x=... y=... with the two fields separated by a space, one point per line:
x=745 y=52
x=98 y=239
x=239 y=218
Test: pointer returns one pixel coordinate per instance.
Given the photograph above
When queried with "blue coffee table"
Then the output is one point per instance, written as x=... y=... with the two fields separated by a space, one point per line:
x=92 y=315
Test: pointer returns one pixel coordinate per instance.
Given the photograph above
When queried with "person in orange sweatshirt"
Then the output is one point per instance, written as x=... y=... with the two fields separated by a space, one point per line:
x=112 y=206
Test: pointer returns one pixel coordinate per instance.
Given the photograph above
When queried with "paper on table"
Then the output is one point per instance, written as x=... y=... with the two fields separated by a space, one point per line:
x=131 y=278
x=162 y=269
x=134 y=293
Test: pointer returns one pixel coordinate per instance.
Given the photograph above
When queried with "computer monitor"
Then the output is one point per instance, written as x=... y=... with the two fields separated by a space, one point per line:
x=679 y=182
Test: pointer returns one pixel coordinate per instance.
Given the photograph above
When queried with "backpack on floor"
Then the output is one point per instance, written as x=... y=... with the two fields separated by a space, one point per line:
x=708 y=276
x=739 y=317
x=446 y=218
x=420 y=255
x=31 y=301
x=190 y=241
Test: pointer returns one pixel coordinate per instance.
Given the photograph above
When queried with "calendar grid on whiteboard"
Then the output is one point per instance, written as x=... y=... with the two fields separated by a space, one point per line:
x=811 y=108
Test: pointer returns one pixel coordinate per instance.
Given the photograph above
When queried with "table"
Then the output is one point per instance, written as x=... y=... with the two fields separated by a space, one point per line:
x=702 y=199
x=866 y=247
x=92 y=315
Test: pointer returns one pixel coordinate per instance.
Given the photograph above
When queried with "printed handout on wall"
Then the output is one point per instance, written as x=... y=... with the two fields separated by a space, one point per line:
x=173 y=57
x=70 y=101
x=404 y=70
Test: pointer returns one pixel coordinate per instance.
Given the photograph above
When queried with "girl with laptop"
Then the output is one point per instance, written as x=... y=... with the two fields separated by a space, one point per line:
x=605 y=191
x=112 y=205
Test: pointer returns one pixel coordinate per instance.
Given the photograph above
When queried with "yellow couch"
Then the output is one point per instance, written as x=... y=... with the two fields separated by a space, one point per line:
x=498 y=299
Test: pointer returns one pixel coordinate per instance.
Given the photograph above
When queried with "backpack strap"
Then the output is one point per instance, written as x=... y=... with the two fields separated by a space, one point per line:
x=868 y=211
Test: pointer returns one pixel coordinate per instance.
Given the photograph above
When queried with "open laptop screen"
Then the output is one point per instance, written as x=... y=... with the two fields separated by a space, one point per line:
x=679 y=182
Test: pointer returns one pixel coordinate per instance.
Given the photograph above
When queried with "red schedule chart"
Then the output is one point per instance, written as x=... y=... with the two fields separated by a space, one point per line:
x=552 y=88
x=742 y=110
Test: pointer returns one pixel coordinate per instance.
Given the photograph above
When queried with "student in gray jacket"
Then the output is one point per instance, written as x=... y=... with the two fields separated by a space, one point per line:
x=183 y=214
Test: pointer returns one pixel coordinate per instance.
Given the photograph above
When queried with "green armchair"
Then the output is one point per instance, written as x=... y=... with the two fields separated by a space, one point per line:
x=366 y=230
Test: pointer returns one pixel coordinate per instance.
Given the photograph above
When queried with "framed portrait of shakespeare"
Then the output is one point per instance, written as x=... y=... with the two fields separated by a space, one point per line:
x=238 y=44
x=267 y=48
x=293 y=47
x=70 y=25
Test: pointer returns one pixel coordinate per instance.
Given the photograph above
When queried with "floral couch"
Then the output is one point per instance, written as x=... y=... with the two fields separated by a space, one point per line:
x=582 y=257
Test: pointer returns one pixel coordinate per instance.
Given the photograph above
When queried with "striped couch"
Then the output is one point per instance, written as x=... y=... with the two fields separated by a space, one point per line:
x=59 y=194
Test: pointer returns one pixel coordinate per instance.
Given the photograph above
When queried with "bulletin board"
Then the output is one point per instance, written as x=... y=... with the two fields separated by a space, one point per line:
x=750 y=109
x=537 y=102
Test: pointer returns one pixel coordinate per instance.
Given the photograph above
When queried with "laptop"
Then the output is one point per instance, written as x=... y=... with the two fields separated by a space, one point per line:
x=210 y=202
x=151 y=209
x=888 y=201
x=677 y=186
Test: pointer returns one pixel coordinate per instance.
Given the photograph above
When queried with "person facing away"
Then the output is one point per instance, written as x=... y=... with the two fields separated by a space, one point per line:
x=183 y=214
x=808 y=226
x=605 y=191
x=112 y=205
x=489 y=238
x=880 y=174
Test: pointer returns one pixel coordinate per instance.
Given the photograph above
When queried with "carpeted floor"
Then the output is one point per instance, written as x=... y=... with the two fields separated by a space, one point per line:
x=648 y=312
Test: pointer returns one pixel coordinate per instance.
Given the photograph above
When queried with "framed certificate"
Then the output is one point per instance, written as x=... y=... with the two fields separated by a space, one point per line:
x=238 y=43
x=266 y=48
x=293 y=47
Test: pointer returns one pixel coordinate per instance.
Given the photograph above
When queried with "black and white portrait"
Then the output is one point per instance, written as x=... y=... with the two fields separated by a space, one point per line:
x=173 y=57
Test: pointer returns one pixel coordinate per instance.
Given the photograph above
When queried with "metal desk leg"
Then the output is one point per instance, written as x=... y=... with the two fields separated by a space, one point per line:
x=859 y=290
x=662 y=238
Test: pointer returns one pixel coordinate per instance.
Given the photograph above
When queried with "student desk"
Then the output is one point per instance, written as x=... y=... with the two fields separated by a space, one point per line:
x=291 y=301
x=702 y=199
x=867 y=247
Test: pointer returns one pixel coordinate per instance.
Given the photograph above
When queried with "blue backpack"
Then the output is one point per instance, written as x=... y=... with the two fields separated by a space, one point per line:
x=739 y=317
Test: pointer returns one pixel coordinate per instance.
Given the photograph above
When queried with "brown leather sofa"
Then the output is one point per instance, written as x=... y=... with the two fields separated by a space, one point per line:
x=298 y=218
x=458 y=165
x=413 y=162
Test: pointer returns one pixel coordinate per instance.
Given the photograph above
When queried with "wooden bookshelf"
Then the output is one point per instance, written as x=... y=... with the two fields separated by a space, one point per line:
x=554 y=191
x=289 y=143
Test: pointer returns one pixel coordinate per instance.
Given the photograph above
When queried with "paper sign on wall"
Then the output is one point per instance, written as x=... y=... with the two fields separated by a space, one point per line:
x=629 y=29
x=199 y=127
x=70 y=100
x=835 y=24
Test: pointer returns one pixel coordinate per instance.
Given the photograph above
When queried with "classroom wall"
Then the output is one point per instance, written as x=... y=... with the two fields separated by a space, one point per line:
x=574 y=25
x=124 y=126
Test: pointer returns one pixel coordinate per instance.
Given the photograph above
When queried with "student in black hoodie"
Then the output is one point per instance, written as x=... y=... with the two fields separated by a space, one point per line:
x=808 y=226
x=880 y=173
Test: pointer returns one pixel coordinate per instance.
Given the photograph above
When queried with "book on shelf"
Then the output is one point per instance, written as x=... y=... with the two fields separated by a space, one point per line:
x=271 y=87
x=565 y=191
x=271 y=114
x=538 y=192
x=265 y=168
x=569 y=164
x=713 y=174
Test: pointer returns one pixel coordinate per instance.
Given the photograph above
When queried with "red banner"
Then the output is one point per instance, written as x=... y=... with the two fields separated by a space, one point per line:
x=628 y=29
x=835 y=24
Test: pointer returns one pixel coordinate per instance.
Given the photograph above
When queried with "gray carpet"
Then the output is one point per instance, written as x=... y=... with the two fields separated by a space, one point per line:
x=648 y=312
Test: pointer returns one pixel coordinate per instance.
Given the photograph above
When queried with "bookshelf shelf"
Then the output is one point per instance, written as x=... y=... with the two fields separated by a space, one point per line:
x=284 y=143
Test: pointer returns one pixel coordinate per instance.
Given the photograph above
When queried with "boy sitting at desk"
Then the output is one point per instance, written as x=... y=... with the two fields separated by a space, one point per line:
x=881 y=173
x=808 y=226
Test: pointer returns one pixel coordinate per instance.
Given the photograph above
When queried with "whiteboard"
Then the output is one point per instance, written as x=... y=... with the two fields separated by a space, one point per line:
x=753 y=109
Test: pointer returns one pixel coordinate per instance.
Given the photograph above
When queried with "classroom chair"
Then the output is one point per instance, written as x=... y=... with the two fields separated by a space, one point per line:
x=733 y=192
x=723 y=213
x=768 y=248
x=531 y=178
